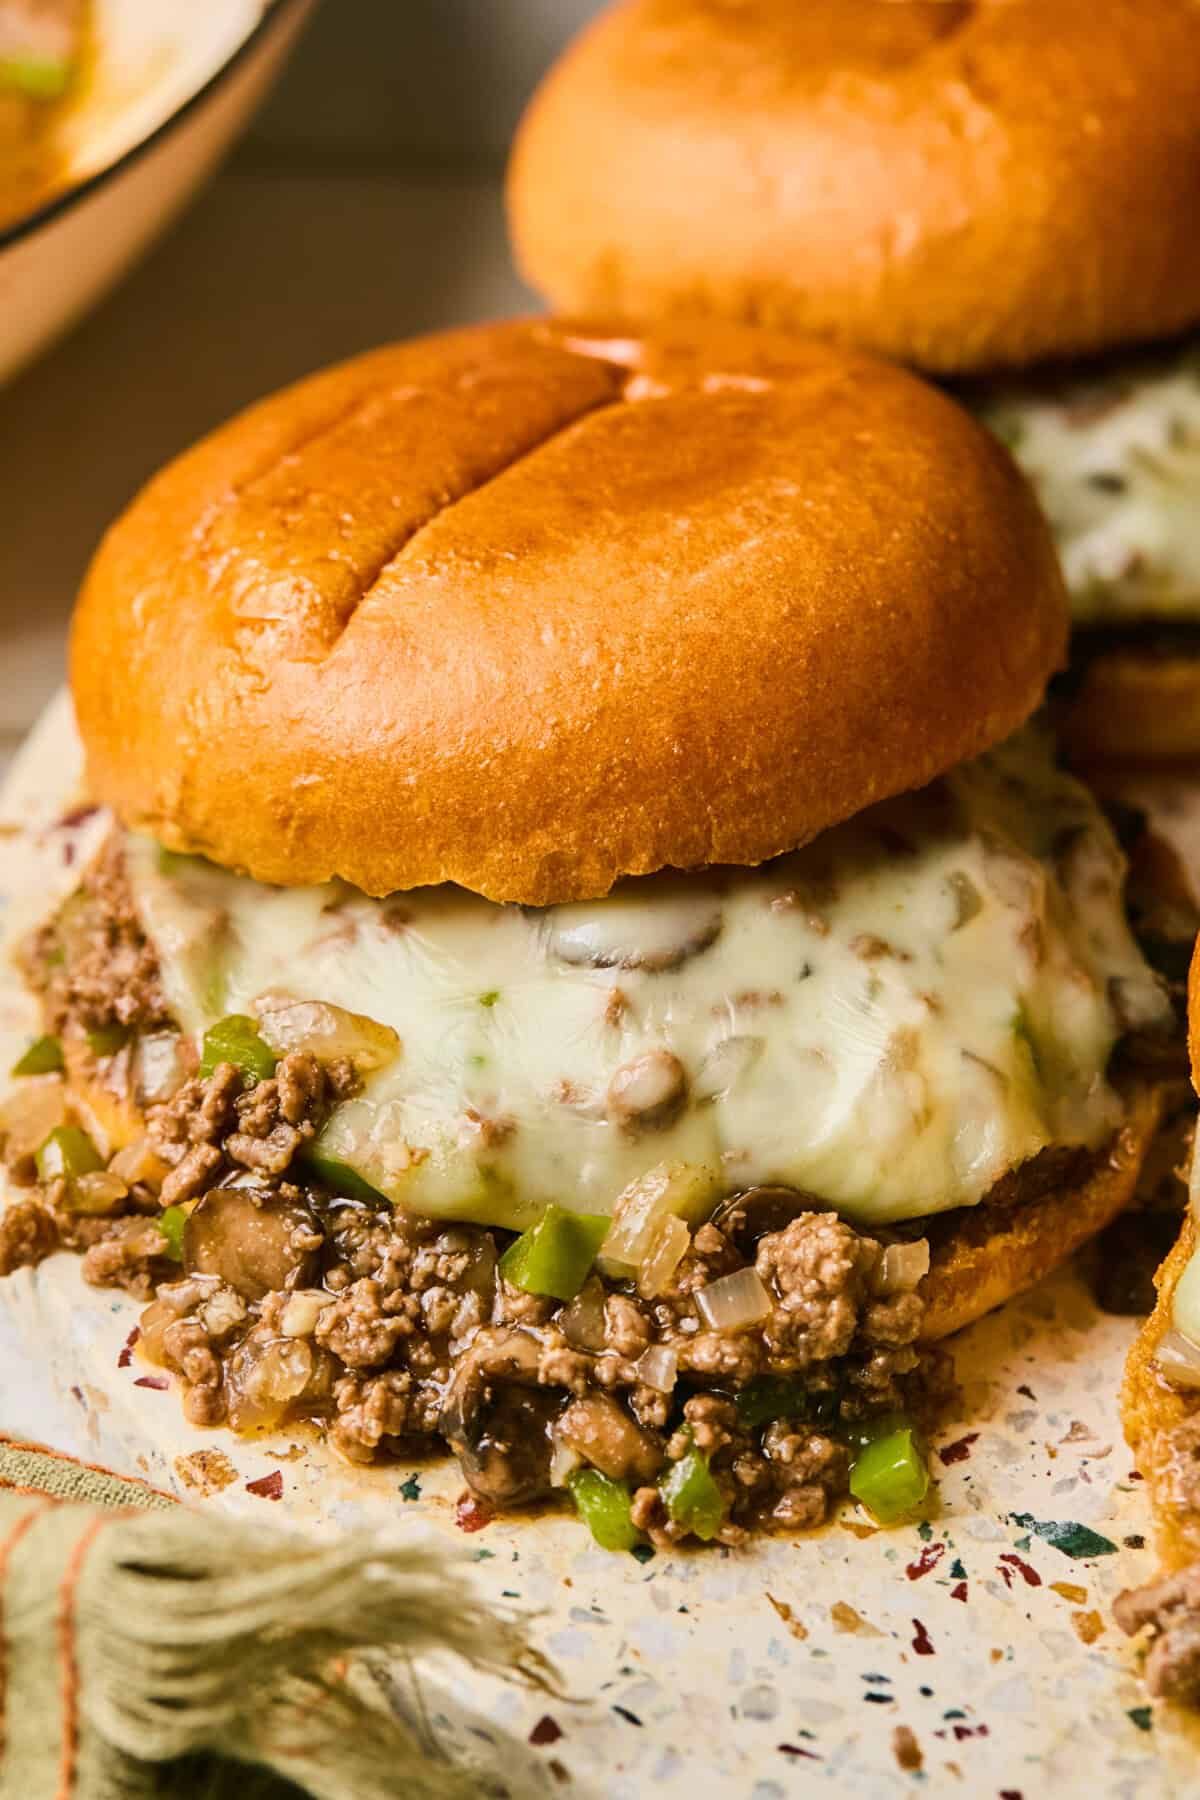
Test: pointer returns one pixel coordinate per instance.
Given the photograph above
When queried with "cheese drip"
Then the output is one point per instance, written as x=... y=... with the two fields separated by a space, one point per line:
x=890 y=1018
x=1114 y=456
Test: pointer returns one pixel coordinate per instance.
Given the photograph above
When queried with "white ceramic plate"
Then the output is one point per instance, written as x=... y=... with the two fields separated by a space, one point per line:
x=784 y=1669
x=174 y=82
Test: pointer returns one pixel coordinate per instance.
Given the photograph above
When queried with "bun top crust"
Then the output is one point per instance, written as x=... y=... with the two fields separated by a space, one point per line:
x=962 y=184
x=529 y=607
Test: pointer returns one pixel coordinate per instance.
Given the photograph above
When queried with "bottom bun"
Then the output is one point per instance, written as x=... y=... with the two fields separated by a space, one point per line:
x=1161 y=1422
x=988 y=1253
x=1134 y=705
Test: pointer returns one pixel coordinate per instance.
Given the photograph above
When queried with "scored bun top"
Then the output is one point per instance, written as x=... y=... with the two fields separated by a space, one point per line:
x=961 y=184
x=528 y=608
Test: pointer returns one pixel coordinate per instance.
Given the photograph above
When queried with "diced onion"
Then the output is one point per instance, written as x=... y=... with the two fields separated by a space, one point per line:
x=28 y=1115
x=733 y=1301
x=664 y=1256
x=158 y=1066
x=563 y=1463
x=1179 y=1359
x=658 y=1368
x=326 y=1032
x=97 y=1192
x=669 y=1190
x=902 y=1267
x=137 y=1162
x=300 y=1315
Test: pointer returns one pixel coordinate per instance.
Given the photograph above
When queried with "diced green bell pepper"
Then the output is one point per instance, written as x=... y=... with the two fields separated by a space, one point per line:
x=68 y=1152
x=106 y=1040
x=890 y=1475
x=692 y=1497
x=339 y=1177
x=171 y=1224
x=43 y=1057
x=858 y=1433
x=555 y=1256
x=235 y=1039
x=604 y=1507
x=781 y=1397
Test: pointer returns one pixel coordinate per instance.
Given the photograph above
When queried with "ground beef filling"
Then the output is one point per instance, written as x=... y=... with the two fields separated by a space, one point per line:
x=399 y=1334
x=396 y=1332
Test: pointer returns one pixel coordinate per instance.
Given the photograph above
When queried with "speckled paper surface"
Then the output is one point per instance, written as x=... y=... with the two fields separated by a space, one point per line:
x=978 y=1642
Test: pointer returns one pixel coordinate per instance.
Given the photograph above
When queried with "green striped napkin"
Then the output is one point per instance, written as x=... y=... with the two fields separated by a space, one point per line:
x=148 y=1649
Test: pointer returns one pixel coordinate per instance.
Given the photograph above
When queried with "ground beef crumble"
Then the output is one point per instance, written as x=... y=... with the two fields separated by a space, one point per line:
x=1169 y=1609
x=92 y=964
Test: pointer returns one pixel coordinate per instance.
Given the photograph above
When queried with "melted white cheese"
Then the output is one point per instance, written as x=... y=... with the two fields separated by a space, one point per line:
x=1115 y=459
x=890 y=1018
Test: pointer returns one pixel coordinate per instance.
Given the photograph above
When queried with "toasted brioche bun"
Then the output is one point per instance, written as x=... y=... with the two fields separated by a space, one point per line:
x=1153 y=1412
x=993 y=1253
x=1134 y=707
x=961 y=185
x=529 y=609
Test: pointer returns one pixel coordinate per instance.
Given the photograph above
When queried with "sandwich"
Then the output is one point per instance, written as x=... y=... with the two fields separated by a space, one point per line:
x=1160 y=1402
x=595 y=966
x=1002 y=195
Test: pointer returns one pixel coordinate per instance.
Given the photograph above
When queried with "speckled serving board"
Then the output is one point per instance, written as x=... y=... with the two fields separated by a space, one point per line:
x=970 y=1654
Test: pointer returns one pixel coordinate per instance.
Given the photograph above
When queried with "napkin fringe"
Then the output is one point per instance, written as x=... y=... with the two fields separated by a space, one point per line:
x=180 y=1633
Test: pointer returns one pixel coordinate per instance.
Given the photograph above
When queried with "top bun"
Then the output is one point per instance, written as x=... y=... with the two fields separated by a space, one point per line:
x=528 y=608
x=963 y=184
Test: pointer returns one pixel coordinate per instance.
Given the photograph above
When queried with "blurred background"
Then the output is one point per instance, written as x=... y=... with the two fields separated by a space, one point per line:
x=363 y=203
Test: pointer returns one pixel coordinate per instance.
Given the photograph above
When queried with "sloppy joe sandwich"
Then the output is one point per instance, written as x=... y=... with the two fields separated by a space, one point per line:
x=1005 y=189
x=1161 y=1407
x=592 y=966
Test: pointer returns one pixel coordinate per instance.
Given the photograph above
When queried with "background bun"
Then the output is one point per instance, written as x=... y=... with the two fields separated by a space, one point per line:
x=530 y=608
x=961 y=184
x=1134 y=706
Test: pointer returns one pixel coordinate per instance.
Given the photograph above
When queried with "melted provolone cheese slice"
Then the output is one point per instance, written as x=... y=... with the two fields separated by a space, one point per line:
x=890 y=1018
x=1115 y=460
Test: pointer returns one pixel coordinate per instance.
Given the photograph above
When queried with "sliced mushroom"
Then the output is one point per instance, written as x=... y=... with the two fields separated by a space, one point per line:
x=747 y=1216
x=648 y=1093
x=654 y=925
x=255 y=1242
x=605 y=1436
x=497 y=1420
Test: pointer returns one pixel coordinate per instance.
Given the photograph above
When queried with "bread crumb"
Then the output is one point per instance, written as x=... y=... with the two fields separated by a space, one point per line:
x=205 y=1471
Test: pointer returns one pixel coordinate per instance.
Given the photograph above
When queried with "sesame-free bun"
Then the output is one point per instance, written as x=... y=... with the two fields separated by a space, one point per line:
x=962 y=184
x=528 y=608
x=1134 y=706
